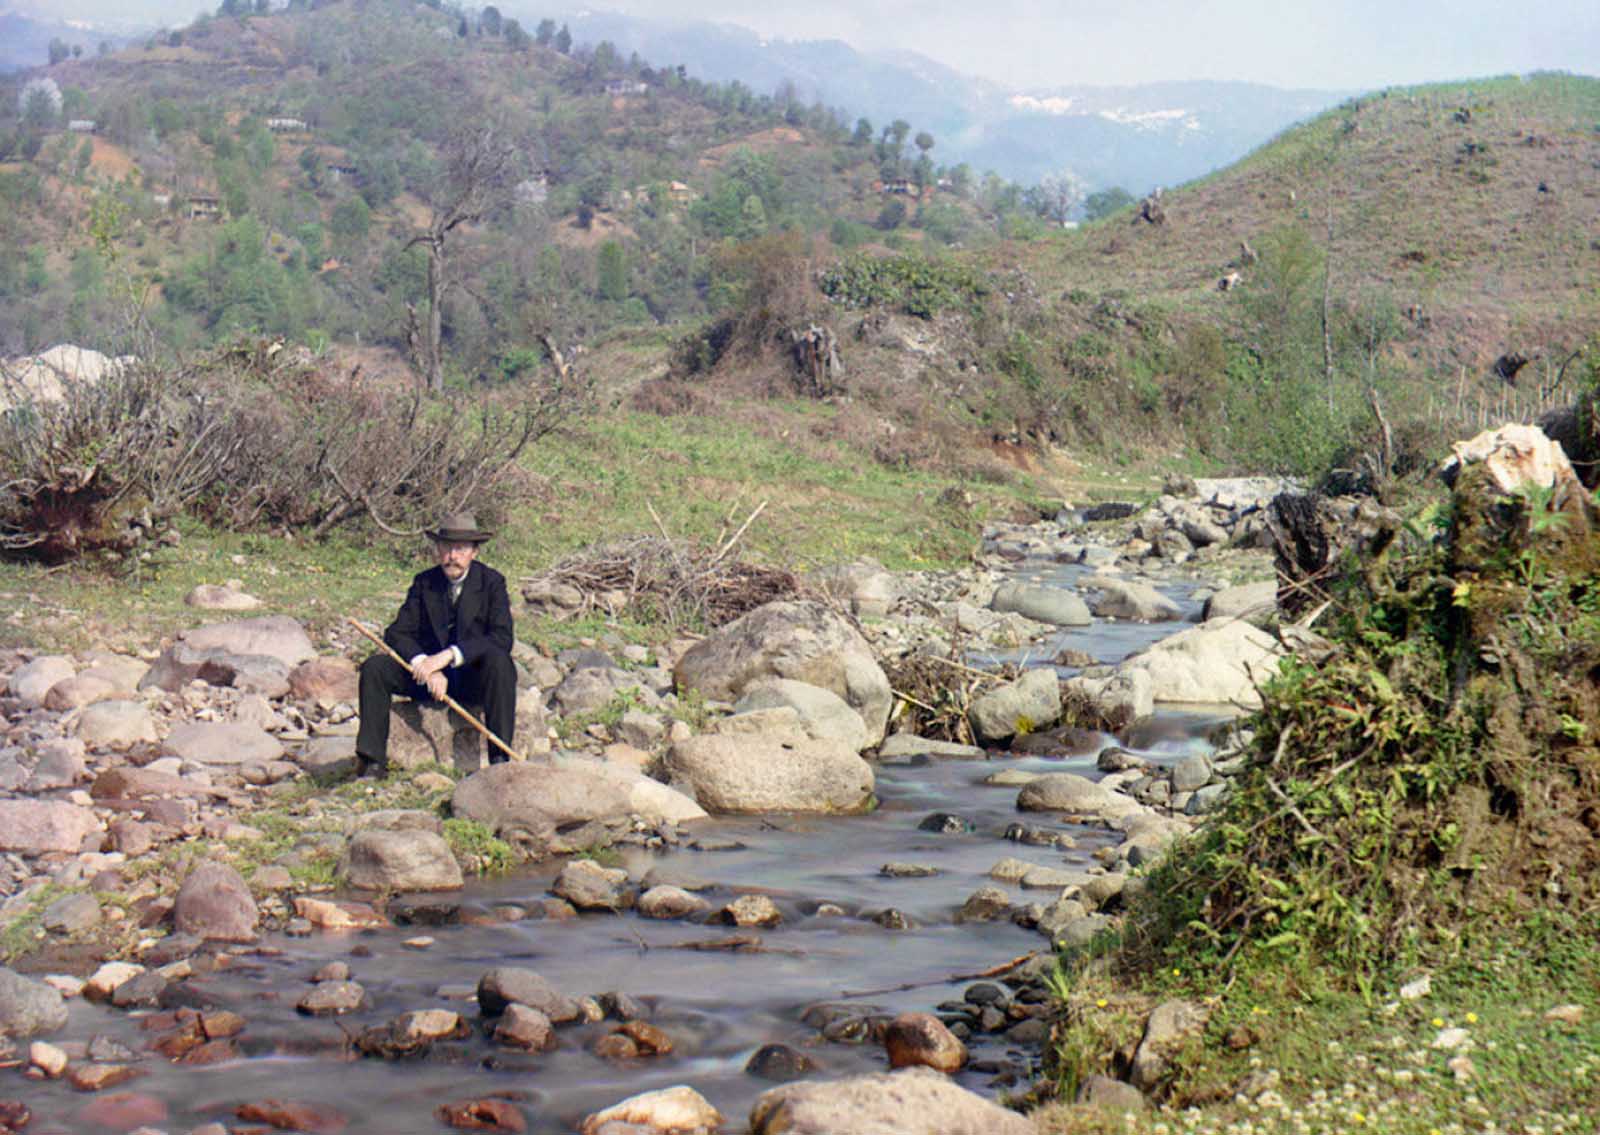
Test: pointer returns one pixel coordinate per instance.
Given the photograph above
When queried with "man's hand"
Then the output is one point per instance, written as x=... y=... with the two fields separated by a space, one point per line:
x=429 y=666
x=436 y=684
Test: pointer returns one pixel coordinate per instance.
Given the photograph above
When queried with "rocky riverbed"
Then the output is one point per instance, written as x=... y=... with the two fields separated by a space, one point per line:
x=735 y=869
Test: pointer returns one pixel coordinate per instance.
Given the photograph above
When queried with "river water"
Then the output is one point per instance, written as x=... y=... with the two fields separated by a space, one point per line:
x=718 y=1006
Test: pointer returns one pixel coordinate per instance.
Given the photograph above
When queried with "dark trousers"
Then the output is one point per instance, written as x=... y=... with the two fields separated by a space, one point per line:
x=491 y=682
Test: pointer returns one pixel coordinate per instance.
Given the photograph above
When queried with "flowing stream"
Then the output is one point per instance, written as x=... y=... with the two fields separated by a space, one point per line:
x=717 y=1006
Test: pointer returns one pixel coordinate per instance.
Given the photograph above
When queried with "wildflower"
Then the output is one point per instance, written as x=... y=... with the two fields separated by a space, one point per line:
x=1472 y=1018
x=1101 y=1003
x=1438 y=1022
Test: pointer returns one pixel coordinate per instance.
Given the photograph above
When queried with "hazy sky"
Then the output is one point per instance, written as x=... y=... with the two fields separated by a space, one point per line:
x=1288 y=43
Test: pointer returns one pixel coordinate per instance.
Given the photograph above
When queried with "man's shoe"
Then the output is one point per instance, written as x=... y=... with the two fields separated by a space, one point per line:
x=369 y=769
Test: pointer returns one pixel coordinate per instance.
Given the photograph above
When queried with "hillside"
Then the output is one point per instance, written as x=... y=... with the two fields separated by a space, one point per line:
x=269 y=174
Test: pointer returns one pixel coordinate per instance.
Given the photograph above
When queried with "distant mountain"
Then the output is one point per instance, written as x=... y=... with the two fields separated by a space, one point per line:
x=25 y=39
x=1137 y=137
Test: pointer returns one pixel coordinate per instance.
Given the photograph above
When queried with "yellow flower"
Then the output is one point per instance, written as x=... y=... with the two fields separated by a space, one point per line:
x=1176 y=972
x=1472 y=1018
x=1101 y=1004
x=1357 y=1117
x=1438 y=1022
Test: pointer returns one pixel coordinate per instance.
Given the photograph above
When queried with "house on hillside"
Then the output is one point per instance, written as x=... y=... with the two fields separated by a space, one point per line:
x=341 y=169
x=81 y=126
x=680 y=193
x=204 y=205
x=288 y=126
x=626 y=87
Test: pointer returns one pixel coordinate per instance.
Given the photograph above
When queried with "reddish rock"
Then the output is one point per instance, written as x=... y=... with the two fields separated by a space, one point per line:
x=650 y=1040
x=523 y=1027
x=221 y=1024
x=211 y=1052
x=332 y=998
x=616 y=1046
x=922 y=1039
x=325 y=680
x=14 y=1115
x=214 y=903
x=98 y=1077
x=127 y=783
x=483 y=1115
x=290 y=1115
x=123 y=1111
x=132 y=837
x=35 y=826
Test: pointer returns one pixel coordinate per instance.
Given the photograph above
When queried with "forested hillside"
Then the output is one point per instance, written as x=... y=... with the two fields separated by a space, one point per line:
x=280 y=173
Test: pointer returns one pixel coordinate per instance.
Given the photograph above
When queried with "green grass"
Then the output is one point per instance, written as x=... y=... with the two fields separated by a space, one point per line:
x=1338 y=1062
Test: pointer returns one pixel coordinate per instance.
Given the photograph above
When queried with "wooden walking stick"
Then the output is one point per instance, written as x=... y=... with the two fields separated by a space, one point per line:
x=447 y=699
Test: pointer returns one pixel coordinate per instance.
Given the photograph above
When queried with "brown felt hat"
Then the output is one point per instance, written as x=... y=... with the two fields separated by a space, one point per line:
x=459 y=527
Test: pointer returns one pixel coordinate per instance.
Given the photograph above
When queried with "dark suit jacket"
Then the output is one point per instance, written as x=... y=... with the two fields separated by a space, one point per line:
x=483 y=615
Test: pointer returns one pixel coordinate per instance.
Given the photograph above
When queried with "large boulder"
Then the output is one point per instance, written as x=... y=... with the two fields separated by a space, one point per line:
x=252 y=654
x=1054 y=605
x=823 y=714
x=1222 y=661
x=1255 y=603
x=35 y=826
x=28 y=1007
x=32 y=680
x=678 y=1110
x=400 y=860
x=771 y=772
x=1030 y=703
x=530 y=801
x=1118 y=699
x=1129 y=599
x=116 y=724
x=1068 y=792
x=913 y=1101
x=222 y=743
x=798 y=639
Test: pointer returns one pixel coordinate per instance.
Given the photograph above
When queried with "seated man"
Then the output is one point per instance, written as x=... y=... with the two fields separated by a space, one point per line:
x=455 y=627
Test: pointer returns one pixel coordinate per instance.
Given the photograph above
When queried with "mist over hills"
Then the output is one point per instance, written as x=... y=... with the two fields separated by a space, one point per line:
x=1135 y=136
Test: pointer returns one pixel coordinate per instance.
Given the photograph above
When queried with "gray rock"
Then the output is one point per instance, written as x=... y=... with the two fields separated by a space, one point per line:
x=276 y=636
x=1079 y=932
x=1030 y=703
x=1055 y=918
x=222 y=743
x=1207 y=799
x=1068 y=792
x=214 y=903
x=78 y=691
x=523 y=1027
x=527 y=802
x=510 y=985
x=1103 y=1092
x=115 y=724
x=802 y=640
x=329 y=758
x=588 y=886
x=1053 y=605
x=60 y=765
x=28 y=1007
x=123 y=672
x=823 y=714
x=332 y=999
x=1256 y=603
x=35 y=826
x=899 y=745
x=640 y=729
x=71 y=914
x=1129 y=599
x=213 y=597
x=593 y=688
x=31 y=681
x=668 y=902
x=986 y=904
x=1168 y=1026
x=771 y=773
x=1222 y=661
x=1120 y=698
x=912 y=1101
x=404 y=860
x=400 y=820
x=1192 y=772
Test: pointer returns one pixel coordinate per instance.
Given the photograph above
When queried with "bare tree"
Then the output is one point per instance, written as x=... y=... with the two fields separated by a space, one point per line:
x=480 y=170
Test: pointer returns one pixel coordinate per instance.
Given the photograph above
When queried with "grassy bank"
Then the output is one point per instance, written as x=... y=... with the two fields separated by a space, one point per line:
x=597 y=480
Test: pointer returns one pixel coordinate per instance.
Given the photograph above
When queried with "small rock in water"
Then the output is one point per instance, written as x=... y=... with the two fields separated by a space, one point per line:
x=650 y=1040
x=622 y=1007
x=331 y=998
x=501 y=1117
x=752 y=910
x=914 y=1039
x=892 y=919
x=333 y=971
x=291 y=1115
x=945 y=823
x=47 y=1058
x=986 y=904
x=421 y=942
x=779 y=1063
x=97 y=1077
x=525 y=1028
x=677 y=1109
x=907 y=871
x=670 y=902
